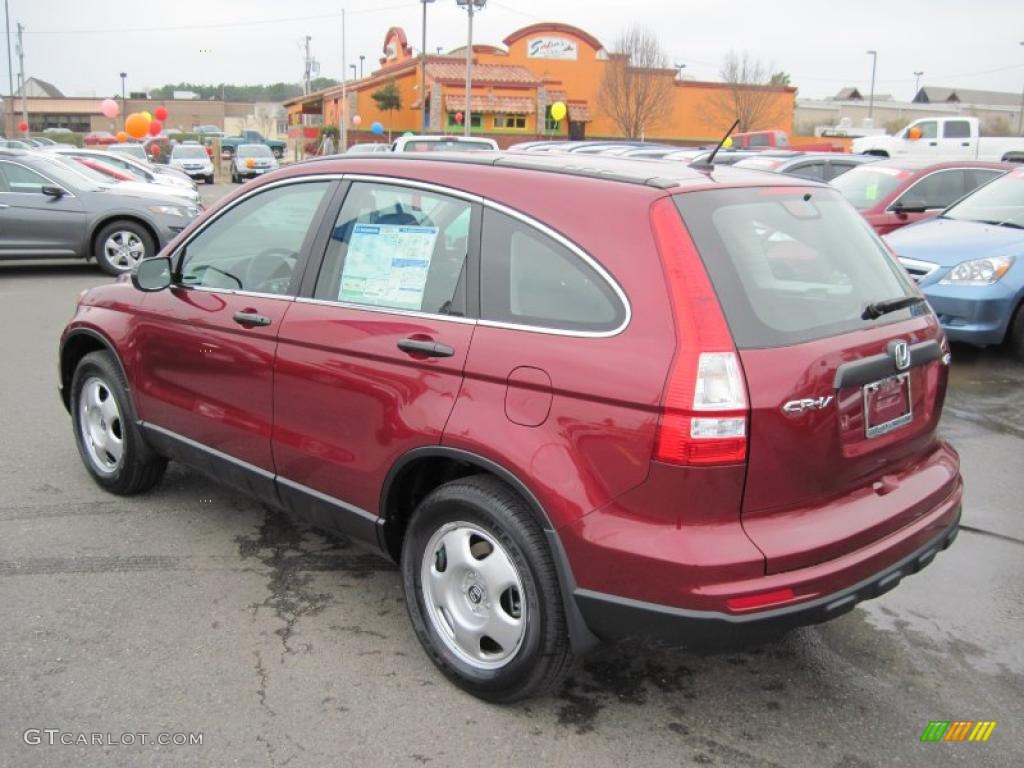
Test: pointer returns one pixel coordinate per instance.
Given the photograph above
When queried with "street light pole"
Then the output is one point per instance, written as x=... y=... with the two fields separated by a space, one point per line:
x=871 y=96
x=917 y=82
x=1020 y=117
x=361 y=57
x=343 y=132
x=10 y=66
x=424 y=118
x=471 y=6
x=124 y=104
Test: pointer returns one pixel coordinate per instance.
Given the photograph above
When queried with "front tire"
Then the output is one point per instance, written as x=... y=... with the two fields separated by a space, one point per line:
x=482 y=591
x=120 y=245
x=209 y=179
x=108 y=440
x=1015 y=338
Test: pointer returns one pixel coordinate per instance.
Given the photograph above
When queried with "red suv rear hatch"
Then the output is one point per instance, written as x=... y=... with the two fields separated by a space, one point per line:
x=844 y=391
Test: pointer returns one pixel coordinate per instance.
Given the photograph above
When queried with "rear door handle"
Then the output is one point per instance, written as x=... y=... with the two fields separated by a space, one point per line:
x=965 y=144
x=250 y=318
x=933 y=143
x=425 y=347
x=4 y=205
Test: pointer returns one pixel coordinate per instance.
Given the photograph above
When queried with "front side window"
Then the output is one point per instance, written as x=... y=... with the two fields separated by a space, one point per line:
x=528 y=278
x=398 y=248
x=937 y=190
x=22 y=179
x=929 y=129
x=255 y=245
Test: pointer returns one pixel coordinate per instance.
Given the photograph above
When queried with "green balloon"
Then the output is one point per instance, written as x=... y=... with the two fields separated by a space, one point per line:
x=408 y=133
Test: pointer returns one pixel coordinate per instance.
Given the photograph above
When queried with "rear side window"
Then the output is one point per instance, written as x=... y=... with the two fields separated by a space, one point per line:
x=866 y=187
x=814 y=171
x=790 y=265
x=529 y=278
x=956 y=129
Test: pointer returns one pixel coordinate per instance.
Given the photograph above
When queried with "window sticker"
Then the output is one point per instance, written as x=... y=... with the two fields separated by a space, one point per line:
x=387 y=265
x=871 y=191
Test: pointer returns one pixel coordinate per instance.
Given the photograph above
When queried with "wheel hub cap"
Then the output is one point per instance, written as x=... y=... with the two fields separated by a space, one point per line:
x=473 y=595
x=100 y=426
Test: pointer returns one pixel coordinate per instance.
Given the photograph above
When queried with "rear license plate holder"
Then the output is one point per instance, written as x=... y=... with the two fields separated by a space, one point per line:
x=887 y=405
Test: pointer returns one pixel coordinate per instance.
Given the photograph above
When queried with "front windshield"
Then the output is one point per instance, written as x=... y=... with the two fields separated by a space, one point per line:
x=866 y=187
x=69 y=176
x=998 y=202
x=254 y=150
x=98 y=176
x=190 y=152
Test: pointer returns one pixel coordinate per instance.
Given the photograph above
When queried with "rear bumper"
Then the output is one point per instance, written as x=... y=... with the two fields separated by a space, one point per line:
x=611 y=617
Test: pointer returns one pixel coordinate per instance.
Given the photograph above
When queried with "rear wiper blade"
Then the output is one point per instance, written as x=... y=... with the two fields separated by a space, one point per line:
x=884 y=307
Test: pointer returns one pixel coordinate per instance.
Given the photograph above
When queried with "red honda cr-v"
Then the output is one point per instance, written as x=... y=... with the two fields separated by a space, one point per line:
x=573 y=401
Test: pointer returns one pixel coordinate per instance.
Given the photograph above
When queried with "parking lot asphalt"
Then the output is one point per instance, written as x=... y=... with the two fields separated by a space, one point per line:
x=193 y=609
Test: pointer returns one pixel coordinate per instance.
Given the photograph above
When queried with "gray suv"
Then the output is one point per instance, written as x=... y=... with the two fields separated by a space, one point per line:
x=48 y=210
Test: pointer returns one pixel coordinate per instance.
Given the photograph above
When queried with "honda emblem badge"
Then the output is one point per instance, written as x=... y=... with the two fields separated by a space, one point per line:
x=900 y=352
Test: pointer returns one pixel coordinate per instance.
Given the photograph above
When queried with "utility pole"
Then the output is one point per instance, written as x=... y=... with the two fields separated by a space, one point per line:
x=21 y=69
x=1020 y=116
x=10 y=66
x=361 y=57
x=308 y=68
x=471 y=6
x=124 y=104
x=871 y=96
x=424 y=118
x=343 y=106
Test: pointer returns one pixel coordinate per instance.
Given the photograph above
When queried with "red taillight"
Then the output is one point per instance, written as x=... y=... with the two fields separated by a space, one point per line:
x=704 y=408
x=757 y=601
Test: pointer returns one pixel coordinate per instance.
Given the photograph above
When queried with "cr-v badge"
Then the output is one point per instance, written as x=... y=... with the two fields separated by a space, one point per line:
x=807 y=404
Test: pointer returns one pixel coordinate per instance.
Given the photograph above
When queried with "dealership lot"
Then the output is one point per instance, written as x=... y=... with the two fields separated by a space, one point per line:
x=195 y=610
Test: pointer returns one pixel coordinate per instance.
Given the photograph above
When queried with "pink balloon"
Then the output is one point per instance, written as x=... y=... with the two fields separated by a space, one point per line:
x=356 y=120
x=109 y=108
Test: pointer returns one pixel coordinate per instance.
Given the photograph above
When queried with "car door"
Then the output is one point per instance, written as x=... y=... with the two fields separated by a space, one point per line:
x=927 y=144
x=206 y=345
x=370 y=361
x=956 y=139
x=34 y=224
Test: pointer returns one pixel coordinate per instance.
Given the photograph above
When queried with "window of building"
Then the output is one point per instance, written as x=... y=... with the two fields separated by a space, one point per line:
x=474 y=121
x=510 y=121
x=551 y=124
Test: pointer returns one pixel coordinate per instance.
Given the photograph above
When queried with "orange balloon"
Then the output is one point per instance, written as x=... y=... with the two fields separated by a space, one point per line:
x=915 y=132
x=122 y=137
x=136 y=125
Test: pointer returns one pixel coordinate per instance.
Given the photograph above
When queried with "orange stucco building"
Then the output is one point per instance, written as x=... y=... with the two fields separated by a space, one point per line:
x=513 y=88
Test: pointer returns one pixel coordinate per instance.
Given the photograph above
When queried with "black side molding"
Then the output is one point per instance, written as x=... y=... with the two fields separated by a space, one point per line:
x=869 y=369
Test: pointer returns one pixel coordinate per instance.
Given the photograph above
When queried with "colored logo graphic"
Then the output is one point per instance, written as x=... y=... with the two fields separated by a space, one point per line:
x=958 y=730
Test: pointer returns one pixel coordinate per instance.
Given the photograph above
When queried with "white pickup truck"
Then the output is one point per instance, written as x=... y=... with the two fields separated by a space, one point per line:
x=944 y=138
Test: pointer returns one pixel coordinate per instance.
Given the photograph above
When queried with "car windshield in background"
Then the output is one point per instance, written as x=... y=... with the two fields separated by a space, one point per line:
x=866 y=187
x=135 y=150
x=442 y=146
x=254 y=150
x=791 y=264
x=998 y=202
x=190 y=152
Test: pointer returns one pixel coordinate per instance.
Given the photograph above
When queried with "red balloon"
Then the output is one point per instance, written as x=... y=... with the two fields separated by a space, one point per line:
x=160 y=113
x=155 y=127
x=154 y=150
x=459 y=117
x=23 y=126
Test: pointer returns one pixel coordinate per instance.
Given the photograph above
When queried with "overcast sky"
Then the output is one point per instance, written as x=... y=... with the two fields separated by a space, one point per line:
x=81 y=46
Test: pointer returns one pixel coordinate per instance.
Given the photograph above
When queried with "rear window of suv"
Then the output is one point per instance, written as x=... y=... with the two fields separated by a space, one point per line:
x=791 y=265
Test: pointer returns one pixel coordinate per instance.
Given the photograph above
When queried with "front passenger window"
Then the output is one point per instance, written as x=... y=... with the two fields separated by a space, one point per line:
x=255 y=245
x=21 y=179
x=937 y=190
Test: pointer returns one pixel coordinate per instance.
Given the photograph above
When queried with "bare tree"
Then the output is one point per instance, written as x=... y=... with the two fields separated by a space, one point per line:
x=636 y=89
x=752 y=95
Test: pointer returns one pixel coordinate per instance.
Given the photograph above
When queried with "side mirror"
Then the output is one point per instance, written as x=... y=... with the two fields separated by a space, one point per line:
x=152 y=275
x=909 y=206
x=53 y=191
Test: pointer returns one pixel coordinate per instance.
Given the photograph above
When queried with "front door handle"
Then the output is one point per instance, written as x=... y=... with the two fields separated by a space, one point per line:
x=965 y=144
x=4 y=205
x=250 y=318
x=933 y=143
x=425 y=347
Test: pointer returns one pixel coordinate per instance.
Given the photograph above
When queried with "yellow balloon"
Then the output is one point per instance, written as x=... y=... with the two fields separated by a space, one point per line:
x=149 y=117
x=558 y=110
x=727 y=143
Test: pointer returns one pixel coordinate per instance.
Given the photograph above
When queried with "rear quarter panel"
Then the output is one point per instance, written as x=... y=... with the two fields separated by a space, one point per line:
x=597 y=439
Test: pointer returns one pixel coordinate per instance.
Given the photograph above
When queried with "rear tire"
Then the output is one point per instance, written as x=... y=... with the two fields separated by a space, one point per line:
x=107 y=437
x=1015 y=338
x=209 y=179
x=120 y=245
x=499 y=578
x=278 y=152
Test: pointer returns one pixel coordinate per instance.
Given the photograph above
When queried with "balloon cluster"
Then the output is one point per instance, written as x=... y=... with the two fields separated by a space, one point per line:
x=138 y=124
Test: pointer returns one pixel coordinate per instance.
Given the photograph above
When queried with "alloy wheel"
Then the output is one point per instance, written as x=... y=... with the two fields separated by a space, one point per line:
x=100 y=426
